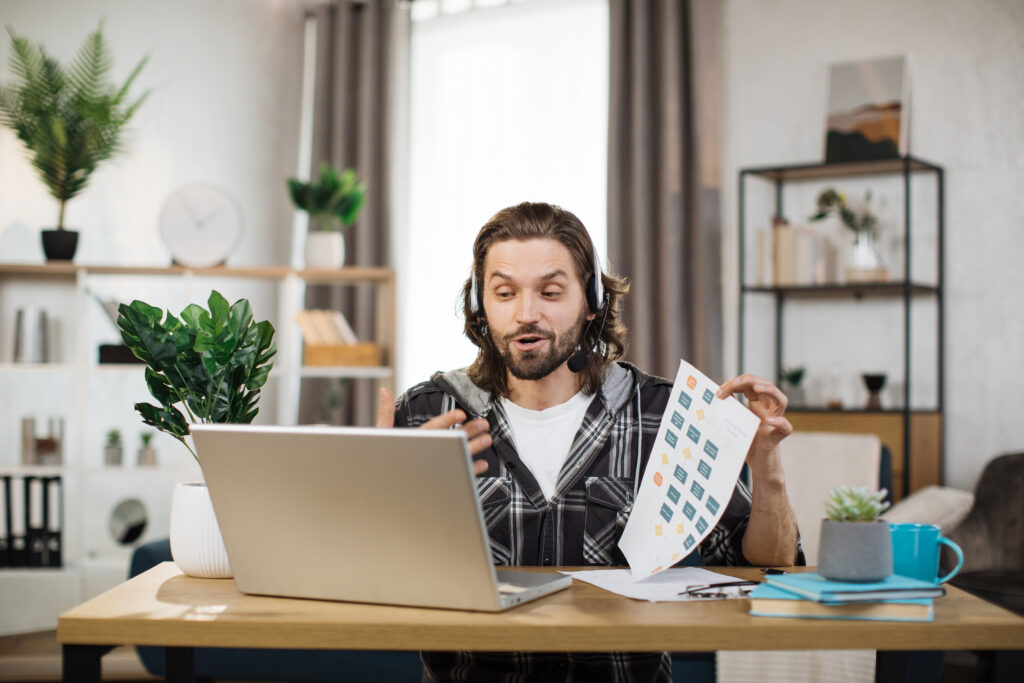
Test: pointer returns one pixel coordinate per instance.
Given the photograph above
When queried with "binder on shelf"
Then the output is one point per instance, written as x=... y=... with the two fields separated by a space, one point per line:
x=36 y=529
x=5 y=521
x=54 y=506
x=18 y=513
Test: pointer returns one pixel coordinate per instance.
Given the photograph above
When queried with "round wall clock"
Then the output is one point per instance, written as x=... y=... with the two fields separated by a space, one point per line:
x=200 y=225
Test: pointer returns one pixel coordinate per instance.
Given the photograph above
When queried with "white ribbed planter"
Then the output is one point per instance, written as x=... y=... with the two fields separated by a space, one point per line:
x=196 y=543
x=325 y=249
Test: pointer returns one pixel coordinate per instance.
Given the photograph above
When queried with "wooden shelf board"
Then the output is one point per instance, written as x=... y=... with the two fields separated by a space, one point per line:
x=342 y=275
x=821 y=171
x=354 y=372
x=853 y=289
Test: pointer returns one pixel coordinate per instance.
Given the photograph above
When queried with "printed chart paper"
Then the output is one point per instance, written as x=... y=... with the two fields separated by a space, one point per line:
x=697 y=457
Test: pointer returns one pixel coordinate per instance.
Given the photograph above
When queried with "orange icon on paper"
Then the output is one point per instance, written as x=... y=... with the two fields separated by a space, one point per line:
x=656 y=570
x=664 y=459
x=674 y=556
x=658 y=478
x=691 y=382
x=679 y=530
x=657 y=530
x=700 y=413
x=686 y=453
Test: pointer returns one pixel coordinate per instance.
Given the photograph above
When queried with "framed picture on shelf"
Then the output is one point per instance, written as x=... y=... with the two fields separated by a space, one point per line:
x=868 y=111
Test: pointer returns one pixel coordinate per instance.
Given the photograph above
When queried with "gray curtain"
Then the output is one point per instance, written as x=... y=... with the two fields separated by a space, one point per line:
x=663 y=219
x=352 y=113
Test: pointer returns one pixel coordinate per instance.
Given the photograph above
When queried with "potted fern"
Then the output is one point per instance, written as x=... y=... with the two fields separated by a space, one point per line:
x=856 y=545
x=203 y=366
x=332 y=202
x=69 y=119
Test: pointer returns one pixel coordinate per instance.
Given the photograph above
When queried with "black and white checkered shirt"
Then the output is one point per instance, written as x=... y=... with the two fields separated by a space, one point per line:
x=580 y=524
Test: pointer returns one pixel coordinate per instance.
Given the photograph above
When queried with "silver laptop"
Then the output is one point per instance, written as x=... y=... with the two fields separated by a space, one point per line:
x=365 y=515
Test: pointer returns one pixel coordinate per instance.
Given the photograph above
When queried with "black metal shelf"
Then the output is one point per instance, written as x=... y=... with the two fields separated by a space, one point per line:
x=903 y=290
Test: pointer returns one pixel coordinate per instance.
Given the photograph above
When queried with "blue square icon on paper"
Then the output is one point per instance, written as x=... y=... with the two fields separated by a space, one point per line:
x=671 y=438
x=688 y=543
x=666 y=512
x=685 y=400
x=693 y=433
x=689 y=510
x=680 y=474
x=697 y=490
x=708 y=396
x=713 y=505
x=673 y=494
x=705 y=469
x=677 y=420
x=711 y=449
x=701 y=526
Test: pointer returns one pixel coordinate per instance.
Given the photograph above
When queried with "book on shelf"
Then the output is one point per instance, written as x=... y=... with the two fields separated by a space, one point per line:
x=815 y=587
x=768 y=601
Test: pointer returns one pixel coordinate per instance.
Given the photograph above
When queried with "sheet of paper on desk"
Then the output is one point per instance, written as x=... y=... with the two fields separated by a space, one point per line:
x=664 y=587
x=697 y=457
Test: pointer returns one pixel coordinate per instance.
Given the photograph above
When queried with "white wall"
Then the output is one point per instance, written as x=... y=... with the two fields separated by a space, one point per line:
x=225 y=77
x=967 y=114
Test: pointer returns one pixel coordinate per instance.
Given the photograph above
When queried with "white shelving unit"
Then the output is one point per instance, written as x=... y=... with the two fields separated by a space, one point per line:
x=92 y=398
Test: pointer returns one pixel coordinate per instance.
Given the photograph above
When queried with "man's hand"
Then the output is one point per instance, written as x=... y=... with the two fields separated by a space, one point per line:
x=769 y=403
x=477 y=431
x=771 y=536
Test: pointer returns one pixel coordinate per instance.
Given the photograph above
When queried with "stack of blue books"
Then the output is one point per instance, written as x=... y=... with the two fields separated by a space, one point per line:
x=810 y=595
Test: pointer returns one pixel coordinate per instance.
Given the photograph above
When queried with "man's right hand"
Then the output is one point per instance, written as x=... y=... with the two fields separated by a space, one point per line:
x=477 y=431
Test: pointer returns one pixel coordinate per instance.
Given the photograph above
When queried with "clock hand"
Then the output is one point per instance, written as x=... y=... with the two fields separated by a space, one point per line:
x=190 y=211
x=210 y=216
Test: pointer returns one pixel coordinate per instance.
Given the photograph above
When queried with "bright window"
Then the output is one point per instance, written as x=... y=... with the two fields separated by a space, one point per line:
x=508 y=103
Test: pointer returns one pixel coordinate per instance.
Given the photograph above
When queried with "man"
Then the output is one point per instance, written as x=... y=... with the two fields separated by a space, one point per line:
x=561 y=432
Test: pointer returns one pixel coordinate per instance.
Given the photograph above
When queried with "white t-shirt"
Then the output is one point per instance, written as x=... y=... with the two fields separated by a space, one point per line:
x=544 y=437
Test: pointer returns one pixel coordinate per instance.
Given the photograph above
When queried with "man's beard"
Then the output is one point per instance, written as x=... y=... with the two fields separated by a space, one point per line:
x=534 y=365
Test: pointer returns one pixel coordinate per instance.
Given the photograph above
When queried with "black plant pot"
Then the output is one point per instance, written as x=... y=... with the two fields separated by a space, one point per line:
x=60 y=245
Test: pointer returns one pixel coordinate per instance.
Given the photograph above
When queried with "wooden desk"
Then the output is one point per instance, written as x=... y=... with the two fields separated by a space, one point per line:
x=163 y=607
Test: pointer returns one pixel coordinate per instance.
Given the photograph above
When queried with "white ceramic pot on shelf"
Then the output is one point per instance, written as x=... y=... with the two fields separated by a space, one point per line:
x=196 y=544
x=325 y=249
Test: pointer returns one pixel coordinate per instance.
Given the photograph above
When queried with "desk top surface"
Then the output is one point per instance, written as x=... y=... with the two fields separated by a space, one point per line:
x=165 y=607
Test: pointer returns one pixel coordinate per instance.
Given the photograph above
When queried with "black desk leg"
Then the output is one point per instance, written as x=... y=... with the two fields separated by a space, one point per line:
x=181 y=664
x=81 y=663
x=912 y=666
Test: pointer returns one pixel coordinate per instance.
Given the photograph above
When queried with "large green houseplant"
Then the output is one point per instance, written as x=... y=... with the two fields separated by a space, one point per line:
x=203 y=366
x=333 y=201
x=70 y=119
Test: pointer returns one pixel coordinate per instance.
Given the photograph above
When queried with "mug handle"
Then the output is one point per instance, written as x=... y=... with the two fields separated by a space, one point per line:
x=959 y=559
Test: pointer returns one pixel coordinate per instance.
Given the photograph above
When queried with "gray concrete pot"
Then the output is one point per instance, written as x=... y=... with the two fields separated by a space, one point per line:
x=855 y=551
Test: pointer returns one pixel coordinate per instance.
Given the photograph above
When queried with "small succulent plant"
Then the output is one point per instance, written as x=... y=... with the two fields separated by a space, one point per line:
x=855 y=504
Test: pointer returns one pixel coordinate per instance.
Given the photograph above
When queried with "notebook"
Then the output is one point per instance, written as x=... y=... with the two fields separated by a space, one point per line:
x=386 y=516
x=815 y=587
x=769 y=601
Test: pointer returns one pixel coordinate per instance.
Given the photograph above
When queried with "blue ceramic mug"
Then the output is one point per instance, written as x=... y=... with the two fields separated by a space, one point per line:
x=915 y=552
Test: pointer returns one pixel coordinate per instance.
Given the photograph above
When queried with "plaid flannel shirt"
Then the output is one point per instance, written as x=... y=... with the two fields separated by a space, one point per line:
x=583 y=521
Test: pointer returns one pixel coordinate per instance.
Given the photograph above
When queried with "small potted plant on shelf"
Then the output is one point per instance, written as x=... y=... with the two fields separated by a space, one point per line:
x=113 y=450
x=147 y=454
x=791 y=379
x=866 y=264
x=204 y=366
x=856 y=545
x=69 y=119
x=332 y=202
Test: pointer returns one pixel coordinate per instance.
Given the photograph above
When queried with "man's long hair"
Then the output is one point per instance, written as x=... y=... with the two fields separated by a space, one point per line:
x=529 y=221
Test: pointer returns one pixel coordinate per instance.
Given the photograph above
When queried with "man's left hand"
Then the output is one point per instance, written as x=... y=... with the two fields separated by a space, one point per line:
x=769 y=403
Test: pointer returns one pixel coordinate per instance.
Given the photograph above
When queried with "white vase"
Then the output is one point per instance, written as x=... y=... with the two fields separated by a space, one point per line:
x=325 y=249
x=196 y=544
x=866 y=263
